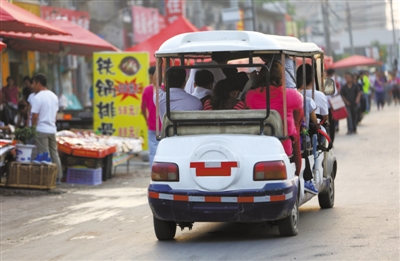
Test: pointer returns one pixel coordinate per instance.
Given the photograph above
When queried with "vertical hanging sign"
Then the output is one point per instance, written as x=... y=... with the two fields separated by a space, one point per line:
x=118 y=83
x=174 y=9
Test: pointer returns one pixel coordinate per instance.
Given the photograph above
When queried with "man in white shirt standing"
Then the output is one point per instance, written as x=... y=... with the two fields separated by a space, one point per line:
x=217 y=58
x=44 y=113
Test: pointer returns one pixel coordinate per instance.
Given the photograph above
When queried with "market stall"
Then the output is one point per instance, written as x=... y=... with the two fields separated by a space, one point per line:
x=6 y=148
x=87 y=152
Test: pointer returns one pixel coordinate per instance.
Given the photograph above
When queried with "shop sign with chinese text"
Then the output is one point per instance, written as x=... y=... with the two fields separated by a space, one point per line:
x=118 y=83
x=146 y=23
x=174 y=9
x=77 y=17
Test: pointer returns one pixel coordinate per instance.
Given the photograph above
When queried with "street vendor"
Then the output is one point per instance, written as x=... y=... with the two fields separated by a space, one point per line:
x=44 y=113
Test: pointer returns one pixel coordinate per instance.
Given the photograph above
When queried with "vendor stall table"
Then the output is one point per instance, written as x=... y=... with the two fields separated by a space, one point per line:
x=121 y=159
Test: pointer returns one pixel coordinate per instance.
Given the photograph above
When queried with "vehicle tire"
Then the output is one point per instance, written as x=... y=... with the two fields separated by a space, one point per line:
x=327 y=199
x=165 y=230
x=289 y=226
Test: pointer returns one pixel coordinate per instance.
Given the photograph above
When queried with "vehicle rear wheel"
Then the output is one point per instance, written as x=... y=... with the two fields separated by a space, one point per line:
x=165 y=230
x=327 y=199
x=289 y=226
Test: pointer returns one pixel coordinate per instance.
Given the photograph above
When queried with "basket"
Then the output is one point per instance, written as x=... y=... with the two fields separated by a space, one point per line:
x=84 y=176
x=32 y=176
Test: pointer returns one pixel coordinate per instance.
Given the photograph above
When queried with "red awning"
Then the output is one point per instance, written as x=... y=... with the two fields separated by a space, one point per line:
x=2 y=45
x=354 y=61
x=80 y=42
x=16 y=19
x=206 y=28
x=151 y=45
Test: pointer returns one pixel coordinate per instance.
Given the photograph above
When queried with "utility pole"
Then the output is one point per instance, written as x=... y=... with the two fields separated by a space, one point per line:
x=233 y=4
x=249 y=16
x=394 y=31
x=198 y=13
x=349 y=27
x=327 y=33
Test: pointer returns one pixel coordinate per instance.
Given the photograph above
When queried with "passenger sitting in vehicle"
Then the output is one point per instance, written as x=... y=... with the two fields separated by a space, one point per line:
x=242 y=79
x=203 y=81
x=225 y=96
x=256 y=99
x=319 y=97
x=179 y=99
x=309 y=110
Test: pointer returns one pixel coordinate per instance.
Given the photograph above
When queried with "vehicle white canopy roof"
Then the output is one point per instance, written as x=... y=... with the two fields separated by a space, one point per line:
x=234 y=41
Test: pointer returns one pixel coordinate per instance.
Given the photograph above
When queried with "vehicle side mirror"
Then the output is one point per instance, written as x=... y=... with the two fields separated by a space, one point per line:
x=329 y=88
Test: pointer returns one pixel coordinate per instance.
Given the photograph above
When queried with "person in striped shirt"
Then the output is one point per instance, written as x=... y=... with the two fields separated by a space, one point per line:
x=225 y=96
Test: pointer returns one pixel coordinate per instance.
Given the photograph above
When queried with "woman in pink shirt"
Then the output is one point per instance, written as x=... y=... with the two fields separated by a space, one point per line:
x=256 y=99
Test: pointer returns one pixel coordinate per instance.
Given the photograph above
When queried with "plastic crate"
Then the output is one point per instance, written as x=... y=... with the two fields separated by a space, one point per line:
x=84 y=176
x=83 y=162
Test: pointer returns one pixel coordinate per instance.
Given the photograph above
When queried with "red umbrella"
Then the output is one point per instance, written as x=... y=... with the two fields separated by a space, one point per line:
x=16 y=19
x=80 y=42
x=151 y=45
x=354 y=61
x=2 y=45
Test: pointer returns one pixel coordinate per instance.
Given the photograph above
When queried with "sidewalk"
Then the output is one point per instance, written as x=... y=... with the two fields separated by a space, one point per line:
x=139 y=175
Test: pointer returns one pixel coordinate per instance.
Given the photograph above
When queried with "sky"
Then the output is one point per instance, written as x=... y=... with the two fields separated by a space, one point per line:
x=396 y=14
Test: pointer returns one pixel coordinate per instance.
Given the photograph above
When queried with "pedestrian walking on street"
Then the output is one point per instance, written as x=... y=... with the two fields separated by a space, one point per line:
x=366 y=84
x=379 y=85
x=351 y=95
x=149 y=112
x=44 y=113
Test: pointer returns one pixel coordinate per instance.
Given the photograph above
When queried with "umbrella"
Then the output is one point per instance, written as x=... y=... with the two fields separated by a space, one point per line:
x=2 y=45
x=80 y=42
x=354 y=61
x=16 y=19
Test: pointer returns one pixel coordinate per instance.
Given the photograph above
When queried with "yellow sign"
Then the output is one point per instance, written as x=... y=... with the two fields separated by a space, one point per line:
x=118 y=83
x=240 y=24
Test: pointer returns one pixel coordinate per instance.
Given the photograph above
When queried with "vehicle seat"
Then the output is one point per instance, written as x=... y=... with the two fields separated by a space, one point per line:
x=274 y=119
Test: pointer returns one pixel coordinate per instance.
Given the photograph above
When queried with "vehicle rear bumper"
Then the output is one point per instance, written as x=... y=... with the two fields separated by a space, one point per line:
x=273 y=202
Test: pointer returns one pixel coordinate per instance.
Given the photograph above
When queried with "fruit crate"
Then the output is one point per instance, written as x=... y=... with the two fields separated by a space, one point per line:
x=84 y=176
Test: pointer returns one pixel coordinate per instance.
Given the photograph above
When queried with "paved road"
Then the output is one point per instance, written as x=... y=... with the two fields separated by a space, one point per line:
x=113 y=221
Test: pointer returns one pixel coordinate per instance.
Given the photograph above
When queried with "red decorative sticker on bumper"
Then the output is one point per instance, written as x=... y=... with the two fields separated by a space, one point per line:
x=213 y=169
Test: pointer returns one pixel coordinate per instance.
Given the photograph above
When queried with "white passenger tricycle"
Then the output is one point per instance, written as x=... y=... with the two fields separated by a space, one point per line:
x=230 y=165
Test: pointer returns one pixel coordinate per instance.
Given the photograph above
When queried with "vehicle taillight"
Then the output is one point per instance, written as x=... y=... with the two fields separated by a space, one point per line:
x=269 y=170
x=164 y=172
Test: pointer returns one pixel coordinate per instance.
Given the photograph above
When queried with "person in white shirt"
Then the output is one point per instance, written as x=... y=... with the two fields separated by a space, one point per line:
x=179 y=99
x=319 y=97
x=217 y=58
x=44 y=113
x=203 y=81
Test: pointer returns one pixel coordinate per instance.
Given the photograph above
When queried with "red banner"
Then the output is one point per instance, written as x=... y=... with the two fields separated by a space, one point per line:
x=146 y=23
x=77 y=17
x=174 y=9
